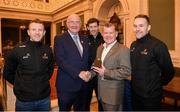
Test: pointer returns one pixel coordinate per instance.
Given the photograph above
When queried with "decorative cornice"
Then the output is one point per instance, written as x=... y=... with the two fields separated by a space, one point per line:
x=70 y=3
x=25 y=6
x=35 y=6
x=23 y=11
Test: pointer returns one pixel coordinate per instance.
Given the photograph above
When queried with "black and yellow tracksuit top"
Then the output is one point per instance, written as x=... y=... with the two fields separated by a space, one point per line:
x=29 y=67
x=151 y=66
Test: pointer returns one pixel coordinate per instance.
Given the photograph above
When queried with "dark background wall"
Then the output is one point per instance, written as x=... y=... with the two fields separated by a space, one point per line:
x=10 y=33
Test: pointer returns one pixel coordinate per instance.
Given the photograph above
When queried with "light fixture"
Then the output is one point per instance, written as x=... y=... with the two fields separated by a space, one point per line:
x=22 y=27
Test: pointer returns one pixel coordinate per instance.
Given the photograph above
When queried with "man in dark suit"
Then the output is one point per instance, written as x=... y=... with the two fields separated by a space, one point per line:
x=95 y=39
x=72 y=55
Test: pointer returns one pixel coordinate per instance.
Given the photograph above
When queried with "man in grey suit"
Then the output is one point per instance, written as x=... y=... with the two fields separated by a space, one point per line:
x=115 y=67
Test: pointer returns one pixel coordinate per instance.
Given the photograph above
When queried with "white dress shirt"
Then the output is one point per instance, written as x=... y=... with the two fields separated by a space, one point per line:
x=106 y=50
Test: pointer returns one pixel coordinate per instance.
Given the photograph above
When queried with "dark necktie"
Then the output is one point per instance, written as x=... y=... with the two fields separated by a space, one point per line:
x=78 y=44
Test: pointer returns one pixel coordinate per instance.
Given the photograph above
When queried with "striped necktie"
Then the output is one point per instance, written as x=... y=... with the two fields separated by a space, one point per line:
x=78 y=44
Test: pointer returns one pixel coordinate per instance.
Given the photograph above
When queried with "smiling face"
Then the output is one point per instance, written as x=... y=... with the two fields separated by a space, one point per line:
x=93 y=28
x=141 y=27
x=36 y=31
x=109 y=34
x=74 y=23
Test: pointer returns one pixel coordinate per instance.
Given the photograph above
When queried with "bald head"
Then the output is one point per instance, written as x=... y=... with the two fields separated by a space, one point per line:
x=74 y=23
x=72 y=17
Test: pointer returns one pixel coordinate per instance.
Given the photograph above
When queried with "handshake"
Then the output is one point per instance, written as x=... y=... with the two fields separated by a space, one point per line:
x=85 y=75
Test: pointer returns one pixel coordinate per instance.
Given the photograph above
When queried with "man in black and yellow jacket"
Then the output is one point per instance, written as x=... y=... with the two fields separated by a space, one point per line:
x=28 y=68
x=152 y=67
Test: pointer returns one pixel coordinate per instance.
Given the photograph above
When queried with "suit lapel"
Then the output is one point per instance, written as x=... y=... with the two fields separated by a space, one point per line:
x=73 y=43
x=84 y=45
x=68 y=36
x=99 y=53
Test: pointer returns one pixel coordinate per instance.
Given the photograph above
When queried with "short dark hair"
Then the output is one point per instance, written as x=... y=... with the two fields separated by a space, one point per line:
x=36 y=21
x=108 y=24
x=143 y=16
x=93 y=20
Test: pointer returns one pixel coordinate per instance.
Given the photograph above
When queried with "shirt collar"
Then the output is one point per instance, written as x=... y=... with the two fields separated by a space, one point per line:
x=72 y=35
x=95 y=36
x=109 y=46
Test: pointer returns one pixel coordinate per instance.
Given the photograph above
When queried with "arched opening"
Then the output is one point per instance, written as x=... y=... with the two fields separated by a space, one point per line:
x=105 y=10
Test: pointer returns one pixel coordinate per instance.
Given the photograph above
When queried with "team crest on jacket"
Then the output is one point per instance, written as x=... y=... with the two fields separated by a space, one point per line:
x=26 y=56
x=132 y=49
x=22 y=46
x=144 y=52
x=45 y=56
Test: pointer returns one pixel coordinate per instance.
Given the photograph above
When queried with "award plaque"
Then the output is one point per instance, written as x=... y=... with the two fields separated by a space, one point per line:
x=97 y=63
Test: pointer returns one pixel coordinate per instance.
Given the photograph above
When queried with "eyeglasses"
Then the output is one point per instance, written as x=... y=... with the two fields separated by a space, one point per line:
x=74 y=22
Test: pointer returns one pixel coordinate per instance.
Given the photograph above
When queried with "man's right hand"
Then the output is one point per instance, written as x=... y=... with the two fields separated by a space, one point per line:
x=85 y=75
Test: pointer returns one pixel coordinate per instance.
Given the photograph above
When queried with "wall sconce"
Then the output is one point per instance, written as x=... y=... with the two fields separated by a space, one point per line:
x=22 y=27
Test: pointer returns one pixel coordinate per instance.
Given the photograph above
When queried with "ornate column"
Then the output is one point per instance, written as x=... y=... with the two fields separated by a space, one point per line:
x=53 y=33
x=0 y=38
x=89 y=12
